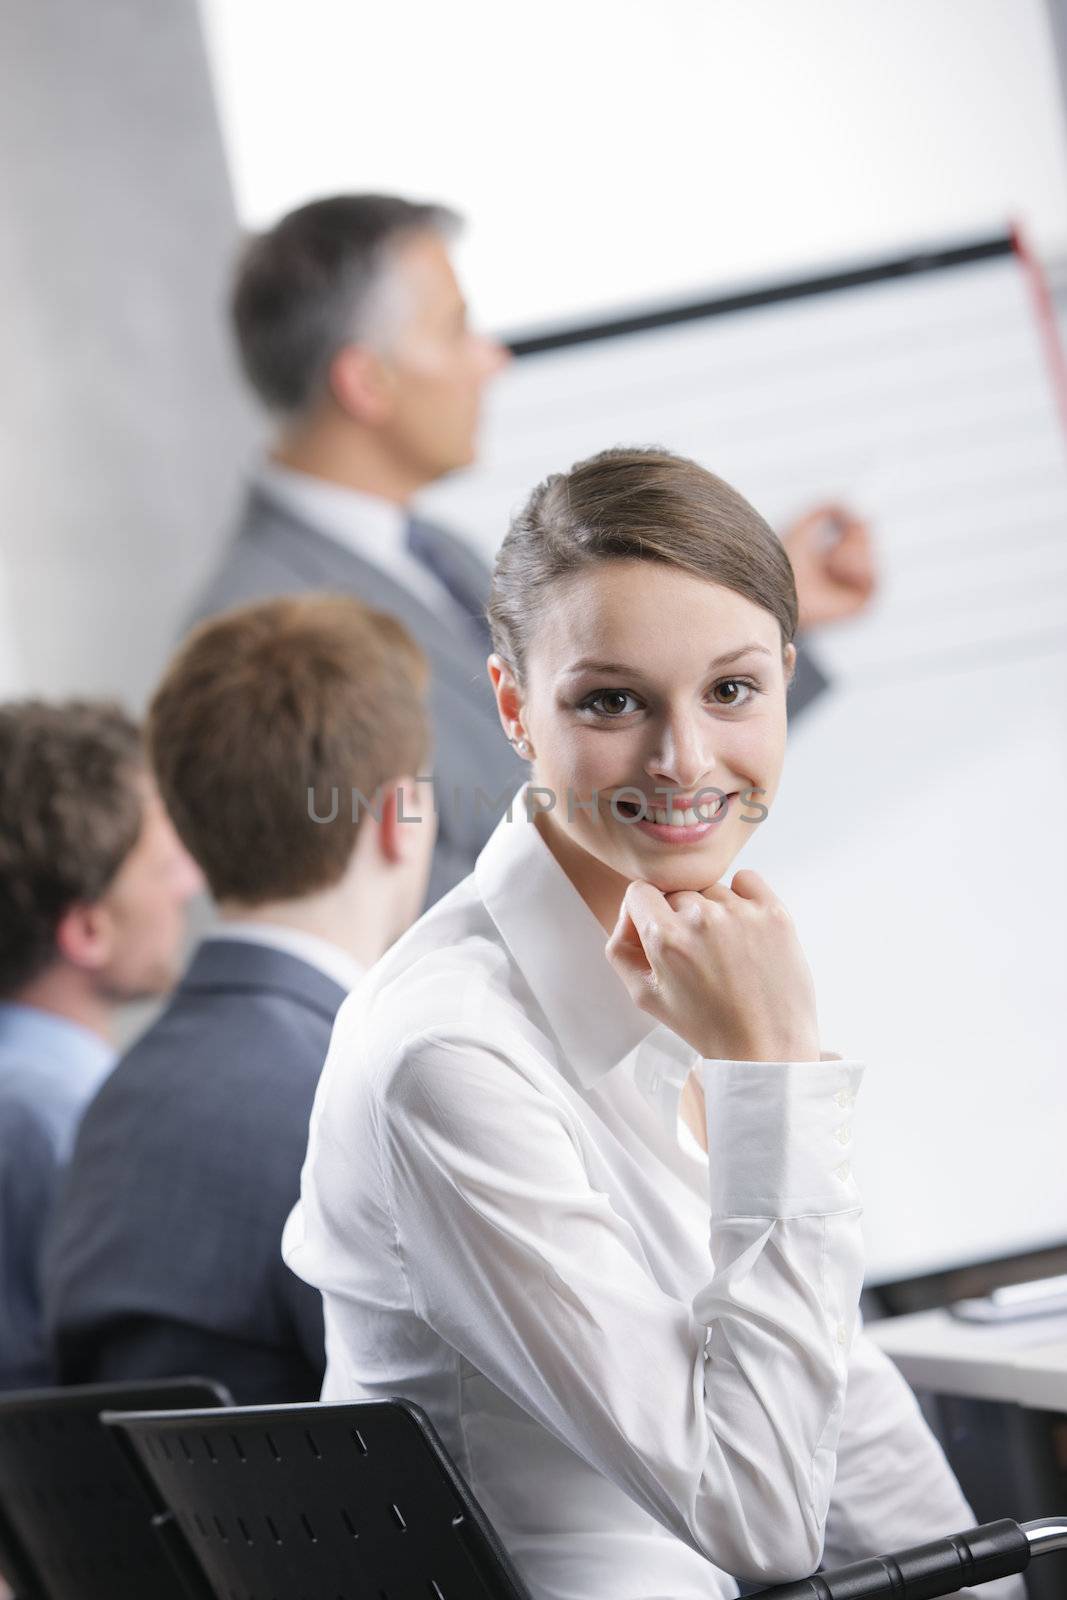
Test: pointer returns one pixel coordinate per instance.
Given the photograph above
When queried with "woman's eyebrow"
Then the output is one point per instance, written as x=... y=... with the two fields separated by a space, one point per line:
x=588 y=665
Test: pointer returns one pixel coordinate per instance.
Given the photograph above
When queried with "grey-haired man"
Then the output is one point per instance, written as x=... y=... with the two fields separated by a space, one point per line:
x=353 y=332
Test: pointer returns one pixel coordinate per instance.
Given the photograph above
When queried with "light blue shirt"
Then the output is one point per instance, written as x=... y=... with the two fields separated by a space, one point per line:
x=50 y=1068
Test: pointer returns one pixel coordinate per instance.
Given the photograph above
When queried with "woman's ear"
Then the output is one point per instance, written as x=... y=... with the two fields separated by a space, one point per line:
x=789 y=663
x=508 y=694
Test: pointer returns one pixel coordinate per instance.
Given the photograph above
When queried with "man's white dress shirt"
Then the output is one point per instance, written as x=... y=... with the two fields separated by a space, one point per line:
x=374 y=528
x=637 y=1357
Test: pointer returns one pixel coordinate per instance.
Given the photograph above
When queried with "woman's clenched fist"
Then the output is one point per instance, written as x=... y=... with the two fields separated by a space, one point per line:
x=722 y=967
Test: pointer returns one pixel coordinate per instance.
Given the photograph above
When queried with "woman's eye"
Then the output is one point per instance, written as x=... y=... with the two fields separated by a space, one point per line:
x=741 y=689
x=611 y=704
x=605 y=702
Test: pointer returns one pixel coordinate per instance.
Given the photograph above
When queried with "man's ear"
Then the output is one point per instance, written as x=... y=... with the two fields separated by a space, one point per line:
x=85 y=935
x=401 y=815
x=359 y=381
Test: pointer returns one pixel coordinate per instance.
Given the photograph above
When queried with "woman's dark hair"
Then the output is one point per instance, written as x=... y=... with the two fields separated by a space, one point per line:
x=631 y=504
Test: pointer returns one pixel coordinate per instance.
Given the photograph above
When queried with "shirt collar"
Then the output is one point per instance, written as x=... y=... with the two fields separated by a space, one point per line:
x=55 y=1048
x=558 y=945
x=322 y=954
x=364 y=522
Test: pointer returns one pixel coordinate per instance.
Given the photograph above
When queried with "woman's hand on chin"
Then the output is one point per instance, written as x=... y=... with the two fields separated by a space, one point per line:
x=722 y=968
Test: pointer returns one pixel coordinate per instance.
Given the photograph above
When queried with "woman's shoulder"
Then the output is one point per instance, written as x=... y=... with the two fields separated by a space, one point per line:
x=447 y=990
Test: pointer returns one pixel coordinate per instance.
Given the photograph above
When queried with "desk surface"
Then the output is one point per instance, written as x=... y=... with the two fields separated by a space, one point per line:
x=1024 y=1362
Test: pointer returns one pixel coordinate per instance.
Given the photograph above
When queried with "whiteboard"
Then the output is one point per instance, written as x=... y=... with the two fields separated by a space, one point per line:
x=917 y=836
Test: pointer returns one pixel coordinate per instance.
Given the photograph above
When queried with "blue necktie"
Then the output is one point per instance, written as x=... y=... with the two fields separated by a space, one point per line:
x=458 y=568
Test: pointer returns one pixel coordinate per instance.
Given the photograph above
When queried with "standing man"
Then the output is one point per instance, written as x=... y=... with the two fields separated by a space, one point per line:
x=353 y=332
x=93 y=887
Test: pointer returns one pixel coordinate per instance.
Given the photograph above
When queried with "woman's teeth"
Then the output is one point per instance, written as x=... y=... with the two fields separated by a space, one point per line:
x=708 y=811
x=672 y=818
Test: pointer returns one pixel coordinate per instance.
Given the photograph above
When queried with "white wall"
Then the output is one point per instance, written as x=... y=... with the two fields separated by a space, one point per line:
x=611 y=151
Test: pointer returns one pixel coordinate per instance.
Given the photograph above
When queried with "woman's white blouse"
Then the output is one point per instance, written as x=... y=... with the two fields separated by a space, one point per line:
x=638 y=1358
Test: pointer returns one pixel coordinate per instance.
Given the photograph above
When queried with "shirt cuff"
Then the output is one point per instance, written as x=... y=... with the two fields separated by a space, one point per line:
x=780 y=1136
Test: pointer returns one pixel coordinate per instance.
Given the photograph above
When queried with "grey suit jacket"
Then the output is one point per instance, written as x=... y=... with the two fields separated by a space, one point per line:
x=164 y=1256
x=475 y=769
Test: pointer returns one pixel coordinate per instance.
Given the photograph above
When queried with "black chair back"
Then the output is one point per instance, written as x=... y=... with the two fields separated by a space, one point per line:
x=75 y=1514
x=345 y=1501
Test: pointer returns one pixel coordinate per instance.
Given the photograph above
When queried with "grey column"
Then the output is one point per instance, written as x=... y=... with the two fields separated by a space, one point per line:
x=123 y=431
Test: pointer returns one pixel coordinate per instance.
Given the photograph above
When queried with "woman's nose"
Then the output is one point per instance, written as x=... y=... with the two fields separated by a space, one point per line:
x=680 y=757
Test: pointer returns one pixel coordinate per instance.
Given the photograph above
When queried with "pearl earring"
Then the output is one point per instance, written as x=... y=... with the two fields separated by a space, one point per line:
x=522 y=746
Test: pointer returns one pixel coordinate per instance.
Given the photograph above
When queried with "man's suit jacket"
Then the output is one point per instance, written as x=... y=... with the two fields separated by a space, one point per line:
x=164 y=1257
x=276 y=553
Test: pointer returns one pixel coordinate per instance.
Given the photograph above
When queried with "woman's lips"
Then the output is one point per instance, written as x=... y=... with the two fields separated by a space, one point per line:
x=709 y=807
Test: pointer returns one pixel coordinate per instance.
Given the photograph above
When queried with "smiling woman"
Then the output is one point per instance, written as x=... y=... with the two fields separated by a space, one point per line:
x=643 y=614
x=647 y=1364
